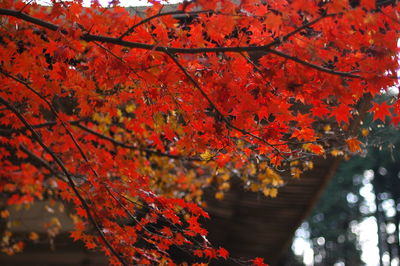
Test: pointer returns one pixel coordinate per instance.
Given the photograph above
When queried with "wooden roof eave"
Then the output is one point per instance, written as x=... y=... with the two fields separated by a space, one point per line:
x=250 y=225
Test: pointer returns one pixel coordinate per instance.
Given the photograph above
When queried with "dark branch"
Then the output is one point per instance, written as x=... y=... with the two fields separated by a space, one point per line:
x=33 y=20
x=42 y=125
x=319 y=68
x=53 y=110
x=118 y=41
x=226 y=121
x=42 y=161
x=99 y=135
x=85 y=205
x=131 y=147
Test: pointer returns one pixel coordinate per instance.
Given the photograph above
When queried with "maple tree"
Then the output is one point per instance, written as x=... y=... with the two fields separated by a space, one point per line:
x=129 y=118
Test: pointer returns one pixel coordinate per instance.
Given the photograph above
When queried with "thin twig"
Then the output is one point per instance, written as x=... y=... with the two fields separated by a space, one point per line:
x=55 y=113
x=26 y=4
x=177 y=12
x=43 y=162
x=132 y=216
x=226 y=121
x=85 y=205
x=131 y=147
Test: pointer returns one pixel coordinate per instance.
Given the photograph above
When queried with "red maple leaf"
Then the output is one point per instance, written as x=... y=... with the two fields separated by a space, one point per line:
x=341 y=113
x=198 y=253
x=81 y=212
x=259 y=262
x=381 y=111
x=370 y=4
x=223 y=253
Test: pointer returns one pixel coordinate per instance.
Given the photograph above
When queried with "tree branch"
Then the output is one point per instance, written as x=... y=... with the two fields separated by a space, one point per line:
x=55 y=113
x=85 y=205
x=118 y=41
x=42 y=161
x=172 y=50
x=131 y=147
x=317 y=67
x=33 y=20
x=99 y=135
x=42 y=125
x=226 y=121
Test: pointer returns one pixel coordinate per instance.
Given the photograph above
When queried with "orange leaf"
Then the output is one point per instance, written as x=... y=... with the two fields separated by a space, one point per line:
x=4 y=214
x=353 y=144
x=33 y=236
x=223 y=253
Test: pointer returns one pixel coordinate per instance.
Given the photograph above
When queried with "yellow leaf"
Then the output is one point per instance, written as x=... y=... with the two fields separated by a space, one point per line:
x=271 y=173
x=296 y=172
x=219 y=195
x=308 y=165
x=119 y=113
x=6 y=237
x=159 y=119
x=254 y=187
x=130 y=108
x=207 y=155
x=271 y=192
x=252 y=169
x=55 y=221
x=225 y=177
x=336 y=152
x=365 y=132
x=224 y=186
x=327 y=128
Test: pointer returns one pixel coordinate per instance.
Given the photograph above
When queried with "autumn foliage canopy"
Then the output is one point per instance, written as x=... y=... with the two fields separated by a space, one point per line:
x=129 y=116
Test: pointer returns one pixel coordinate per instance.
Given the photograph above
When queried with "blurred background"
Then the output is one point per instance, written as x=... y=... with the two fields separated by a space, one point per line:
x=340 y=213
